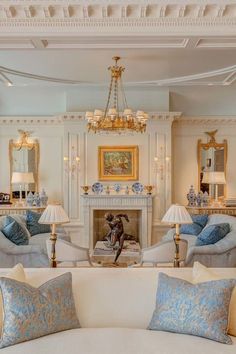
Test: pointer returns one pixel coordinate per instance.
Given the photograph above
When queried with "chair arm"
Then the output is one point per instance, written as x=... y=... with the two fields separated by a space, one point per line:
x=161 y=253
x=20 y=250
x=68 y=252
x=223 y=246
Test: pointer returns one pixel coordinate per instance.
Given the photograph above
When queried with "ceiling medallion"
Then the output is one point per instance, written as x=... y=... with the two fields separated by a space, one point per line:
x=112 y=120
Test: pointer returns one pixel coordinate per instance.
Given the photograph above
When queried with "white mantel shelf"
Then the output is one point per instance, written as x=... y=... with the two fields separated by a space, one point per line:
x=142 y=202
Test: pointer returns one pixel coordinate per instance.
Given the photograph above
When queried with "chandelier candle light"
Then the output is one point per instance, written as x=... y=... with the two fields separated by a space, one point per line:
x=112 y=120
x=177 y=214
x=54 y=215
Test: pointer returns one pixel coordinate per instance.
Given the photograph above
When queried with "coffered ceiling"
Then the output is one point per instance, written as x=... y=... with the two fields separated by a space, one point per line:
x=163 y=43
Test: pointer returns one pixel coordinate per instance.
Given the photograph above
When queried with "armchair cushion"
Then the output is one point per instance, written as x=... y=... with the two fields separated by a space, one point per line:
x=33 y=225
x=15 y=232
x=212 y=234
x=200 y=310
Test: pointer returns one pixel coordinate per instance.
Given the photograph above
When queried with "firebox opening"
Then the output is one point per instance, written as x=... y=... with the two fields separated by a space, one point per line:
x=101 y=229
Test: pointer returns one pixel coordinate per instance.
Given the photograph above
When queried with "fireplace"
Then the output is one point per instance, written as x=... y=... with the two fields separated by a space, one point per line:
x=131 y=228
x=137 y=207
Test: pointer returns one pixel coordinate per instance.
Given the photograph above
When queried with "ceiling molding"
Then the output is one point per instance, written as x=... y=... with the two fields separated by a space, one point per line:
x=53 y=17
x=75 y=117
x=220 y=77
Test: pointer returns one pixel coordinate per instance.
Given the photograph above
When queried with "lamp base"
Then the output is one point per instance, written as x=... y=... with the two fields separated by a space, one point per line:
x=176 y=241
x=53 y=239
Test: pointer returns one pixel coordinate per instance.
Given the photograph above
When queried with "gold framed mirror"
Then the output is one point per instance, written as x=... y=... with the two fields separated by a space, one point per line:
x=212 y=157
x=24 y=165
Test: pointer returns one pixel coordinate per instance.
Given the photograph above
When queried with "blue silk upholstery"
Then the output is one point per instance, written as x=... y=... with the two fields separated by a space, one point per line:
x=200 y=310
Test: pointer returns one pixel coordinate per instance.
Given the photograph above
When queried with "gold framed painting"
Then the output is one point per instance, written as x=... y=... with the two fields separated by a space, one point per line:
x=118 y=163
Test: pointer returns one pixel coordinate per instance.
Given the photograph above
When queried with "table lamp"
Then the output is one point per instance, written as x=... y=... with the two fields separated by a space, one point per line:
x=54 y=215
x=177 y=214
x=215 y=178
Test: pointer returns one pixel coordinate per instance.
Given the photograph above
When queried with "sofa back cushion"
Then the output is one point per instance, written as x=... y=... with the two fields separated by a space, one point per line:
x=108 y=297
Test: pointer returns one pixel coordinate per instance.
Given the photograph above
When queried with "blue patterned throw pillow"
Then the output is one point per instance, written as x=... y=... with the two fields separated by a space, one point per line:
x=212 y=234
x=200 y=310
x=199 y=221
x=31 y=313
x=15 y=232
x=33 y=225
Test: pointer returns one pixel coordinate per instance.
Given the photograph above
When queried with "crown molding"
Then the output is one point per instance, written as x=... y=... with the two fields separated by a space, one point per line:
x=75 y=117
x=206 y=120
x=114 y=17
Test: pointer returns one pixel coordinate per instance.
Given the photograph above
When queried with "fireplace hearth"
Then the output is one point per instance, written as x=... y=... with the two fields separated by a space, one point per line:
x=137 y=207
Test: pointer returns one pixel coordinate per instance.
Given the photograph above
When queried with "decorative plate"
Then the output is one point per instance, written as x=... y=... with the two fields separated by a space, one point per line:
x=97 y=187
x=117 y=187
x=137 y=188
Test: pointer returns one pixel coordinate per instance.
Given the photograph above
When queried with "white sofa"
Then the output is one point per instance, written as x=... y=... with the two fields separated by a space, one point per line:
x=220 y=254
x=114 y=308
x=32 y=255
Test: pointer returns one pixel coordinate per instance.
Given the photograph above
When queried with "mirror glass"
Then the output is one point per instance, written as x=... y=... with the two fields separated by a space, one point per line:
x=24 y=159
x=212 y=156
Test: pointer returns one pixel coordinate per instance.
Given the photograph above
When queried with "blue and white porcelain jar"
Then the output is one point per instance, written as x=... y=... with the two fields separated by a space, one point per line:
x=43 y=198
x=30 y=199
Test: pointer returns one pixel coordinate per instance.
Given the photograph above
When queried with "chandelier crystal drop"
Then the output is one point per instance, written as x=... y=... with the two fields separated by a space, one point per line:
x=112 y=120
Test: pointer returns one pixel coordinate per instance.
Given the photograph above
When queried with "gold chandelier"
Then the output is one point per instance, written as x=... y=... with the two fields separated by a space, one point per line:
x=111 y=120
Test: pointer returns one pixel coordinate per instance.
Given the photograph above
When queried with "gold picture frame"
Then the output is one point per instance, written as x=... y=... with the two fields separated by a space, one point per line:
x=118 y=163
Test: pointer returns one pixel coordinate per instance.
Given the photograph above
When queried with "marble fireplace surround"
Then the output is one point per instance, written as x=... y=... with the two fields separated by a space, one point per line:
x=142 y=203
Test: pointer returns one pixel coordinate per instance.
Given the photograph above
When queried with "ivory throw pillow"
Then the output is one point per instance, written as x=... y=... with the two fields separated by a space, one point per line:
x=197 y=309
x=16 y=273
x=202 y=274
x=31 y=312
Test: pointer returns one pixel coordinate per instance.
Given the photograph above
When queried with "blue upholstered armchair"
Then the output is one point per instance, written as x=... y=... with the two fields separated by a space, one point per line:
x=220 y=254
x=34 y=254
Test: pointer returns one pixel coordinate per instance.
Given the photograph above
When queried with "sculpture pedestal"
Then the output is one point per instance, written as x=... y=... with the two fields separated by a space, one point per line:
x=104 y=255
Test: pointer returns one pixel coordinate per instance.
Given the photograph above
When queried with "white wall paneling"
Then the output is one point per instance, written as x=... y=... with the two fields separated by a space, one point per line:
x=64 y=135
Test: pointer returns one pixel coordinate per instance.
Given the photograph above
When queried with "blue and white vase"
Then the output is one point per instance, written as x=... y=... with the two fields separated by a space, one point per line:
x=117 y=187
x=191 y=196
x=30 y=199
x=43 y=198
x=199 y=199
x=37 y=201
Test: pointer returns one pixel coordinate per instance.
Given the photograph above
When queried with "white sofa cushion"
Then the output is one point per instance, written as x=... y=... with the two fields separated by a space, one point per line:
x=120 y=341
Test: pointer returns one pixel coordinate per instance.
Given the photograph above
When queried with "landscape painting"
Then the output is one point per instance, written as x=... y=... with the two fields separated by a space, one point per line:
x=118 y=163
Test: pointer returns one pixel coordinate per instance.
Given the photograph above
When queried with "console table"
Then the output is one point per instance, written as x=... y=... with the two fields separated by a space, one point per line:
x=12 y=209
x=212 y=210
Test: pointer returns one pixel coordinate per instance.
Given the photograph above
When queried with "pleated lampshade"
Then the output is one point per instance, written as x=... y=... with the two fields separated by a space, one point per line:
x=177 y=214
x=54 y=214
x=214 y=177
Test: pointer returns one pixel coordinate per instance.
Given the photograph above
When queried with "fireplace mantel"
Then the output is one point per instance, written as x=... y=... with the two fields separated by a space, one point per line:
x=124 y=202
